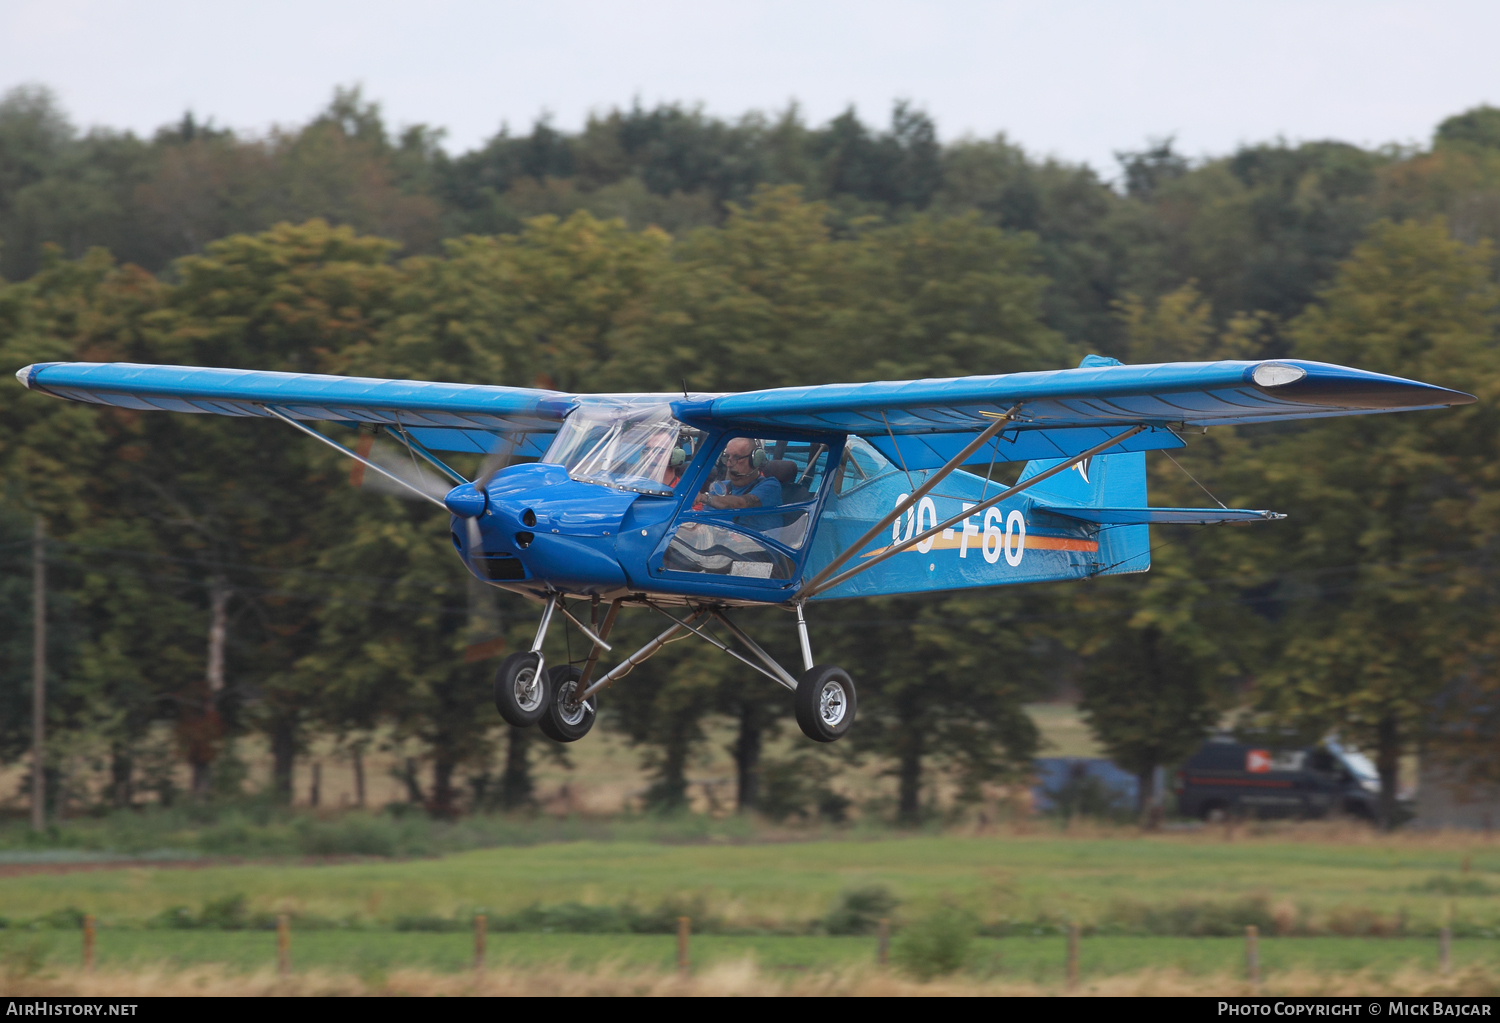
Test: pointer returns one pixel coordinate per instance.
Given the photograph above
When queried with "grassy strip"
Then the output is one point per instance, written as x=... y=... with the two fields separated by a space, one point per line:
x=1034 y=960
x=1014 y=884
x=742 y=977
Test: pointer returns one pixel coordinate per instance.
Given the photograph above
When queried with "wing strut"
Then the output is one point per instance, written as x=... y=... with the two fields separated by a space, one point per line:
x=365 y=461
x=415 y=446
x=985 y=436
x=818 y=586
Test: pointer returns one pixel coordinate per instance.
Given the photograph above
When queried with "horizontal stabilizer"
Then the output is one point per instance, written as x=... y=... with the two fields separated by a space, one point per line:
x=1158 y=516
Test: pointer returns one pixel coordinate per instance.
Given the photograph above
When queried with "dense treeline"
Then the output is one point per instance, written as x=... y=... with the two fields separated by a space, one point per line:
x=222 y=576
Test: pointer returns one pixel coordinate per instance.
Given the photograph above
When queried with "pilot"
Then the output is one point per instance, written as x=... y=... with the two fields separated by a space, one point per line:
x=744 y=486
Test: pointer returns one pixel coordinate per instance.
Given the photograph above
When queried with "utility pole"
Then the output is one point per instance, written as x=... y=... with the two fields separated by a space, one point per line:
x=39 y=674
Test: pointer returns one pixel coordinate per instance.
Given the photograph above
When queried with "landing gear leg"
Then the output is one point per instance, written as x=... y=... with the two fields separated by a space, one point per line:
x=522 y=690
x=569 y=718
x=825 y=700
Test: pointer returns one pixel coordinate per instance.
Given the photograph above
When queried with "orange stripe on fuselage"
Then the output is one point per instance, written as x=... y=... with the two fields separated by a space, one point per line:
x=1033 y=543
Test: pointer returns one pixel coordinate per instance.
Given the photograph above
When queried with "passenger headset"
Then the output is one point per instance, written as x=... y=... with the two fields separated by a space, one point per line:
x=757 y=456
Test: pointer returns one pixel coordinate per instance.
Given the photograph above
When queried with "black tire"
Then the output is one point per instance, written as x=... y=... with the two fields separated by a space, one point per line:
x=521 y=696
x=560 y=721
x=825 y=703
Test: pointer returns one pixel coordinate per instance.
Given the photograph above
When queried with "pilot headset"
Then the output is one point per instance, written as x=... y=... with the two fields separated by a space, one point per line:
x=757 y=455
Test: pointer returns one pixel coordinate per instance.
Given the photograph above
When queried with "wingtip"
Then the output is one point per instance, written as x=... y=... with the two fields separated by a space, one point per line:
x=1343 y=387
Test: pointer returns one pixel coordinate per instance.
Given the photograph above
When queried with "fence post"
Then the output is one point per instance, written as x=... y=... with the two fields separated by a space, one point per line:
x=883 y=947
x=1445 y=950
x=1252 y=955
x=1072 y=956
x=284 y=945
x=684 y=925
x=88 y=943
x=480 y=925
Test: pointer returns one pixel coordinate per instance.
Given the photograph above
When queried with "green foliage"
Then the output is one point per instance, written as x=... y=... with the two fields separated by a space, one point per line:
x=1477 y=127
x=1191 y=917
x=662 y=247
x=1084 y=795
x=936 y=944
x=1447 y=884
x=860 y=910
x=1392 y=533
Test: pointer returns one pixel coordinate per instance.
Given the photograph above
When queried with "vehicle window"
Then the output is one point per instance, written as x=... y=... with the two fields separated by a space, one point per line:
x=860 y=463
x=788 y=527
x=765 y=486
x=638 y=448
x=712 y=549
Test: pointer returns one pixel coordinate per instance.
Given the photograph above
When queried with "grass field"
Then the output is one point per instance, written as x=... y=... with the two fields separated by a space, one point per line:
x=1146 y=902
x=1036 y=960
x=1312 y=880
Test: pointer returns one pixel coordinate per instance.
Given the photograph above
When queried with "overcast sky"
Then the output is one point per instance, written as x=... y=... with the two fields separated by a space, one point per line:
x=1079 y=80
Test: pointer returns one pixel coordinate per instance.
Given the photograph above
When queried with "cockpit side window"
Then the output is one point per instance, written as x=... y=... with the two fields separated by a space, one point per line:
x=861 y=463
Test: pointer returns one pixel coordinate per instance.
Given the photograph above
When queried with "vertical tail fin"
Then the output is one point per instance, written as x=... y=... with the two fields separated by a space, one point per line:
x=1108 y=481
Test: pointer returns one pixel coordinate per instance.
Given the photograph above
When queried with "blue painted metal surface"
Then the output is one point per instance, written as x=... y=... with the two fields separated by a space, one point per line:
x=1008 y=544
x=536 y=528
x=1196 y=393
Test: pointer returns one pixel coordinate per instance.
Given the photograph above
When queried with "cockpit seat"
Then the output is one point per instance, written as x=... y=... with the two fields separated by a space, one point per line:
x=784 y=471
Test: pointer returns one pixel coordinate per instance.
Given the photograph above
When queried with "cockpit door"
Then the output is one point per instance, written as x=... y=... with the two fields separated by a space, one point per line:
x=762 y=546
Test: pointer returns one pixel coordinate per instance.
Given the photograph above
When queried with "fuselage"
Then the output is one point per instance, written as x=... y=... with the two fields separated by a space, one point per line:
x=536 y=529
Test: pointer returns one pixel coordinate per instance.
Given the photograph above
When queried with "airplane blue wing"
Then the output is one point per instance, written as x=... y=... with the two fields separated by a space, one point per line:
x=444 y=417
x=920 y=424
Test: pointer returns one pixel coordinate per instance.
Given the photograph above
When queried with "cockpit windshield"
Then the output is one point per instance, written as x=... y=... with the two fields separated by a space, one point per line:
x=631 y=447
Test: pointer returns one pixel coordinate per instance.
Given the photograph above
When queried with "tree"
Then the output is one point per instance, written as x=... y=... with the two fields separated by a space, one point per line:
x=1161 y=652
x=1149 y=701
x=940 y=682
x=1391 y=527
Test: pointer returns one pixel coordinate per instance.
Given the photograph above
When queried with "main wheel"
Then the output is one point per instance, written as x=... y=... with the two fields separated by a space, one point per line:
x=564 y=719
x=825 y=703
x=521 y=692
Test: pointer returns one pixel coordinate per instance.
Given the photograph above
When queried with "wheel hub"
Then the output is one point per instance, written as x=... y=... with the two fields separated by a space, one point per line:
x=528 y=693
x=831 y=703
x=571 y=710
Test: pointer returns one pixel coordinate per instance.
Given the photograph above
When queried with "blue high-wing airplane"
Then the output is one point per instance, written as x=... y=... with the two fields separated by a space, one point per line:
x=709 y=502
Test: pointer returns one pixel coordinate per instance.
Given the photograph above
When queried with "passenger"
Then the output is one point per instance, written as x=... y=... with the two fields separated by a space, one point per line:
x=664 y=458
x=744 y=486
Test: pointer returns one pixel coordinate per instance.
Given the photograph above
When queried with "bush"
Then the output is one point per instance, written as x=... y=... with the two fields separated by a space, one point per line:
x=226 y=914
x=574 y=918
x=355 y=835
x=937 y=944
x=1193 y=918
x=663 y=919
x=430 y=923
x=69 y=919
x=799 y=787
x=1084 y=795
x=177 y=918
x=1444 y=884
x=860 y=910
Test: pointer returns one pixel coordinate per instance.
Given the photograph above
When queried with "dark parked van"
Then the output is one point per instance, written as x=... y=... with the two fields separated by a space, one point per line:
x=1244 y=779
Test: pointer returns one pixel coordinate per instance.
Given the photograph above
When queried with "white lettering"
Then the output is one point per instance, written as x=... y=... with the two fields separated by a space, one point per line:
x=927 y=517
x=969 y=530
x=993 y=538
x=1015 y=521
x=896 y=526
